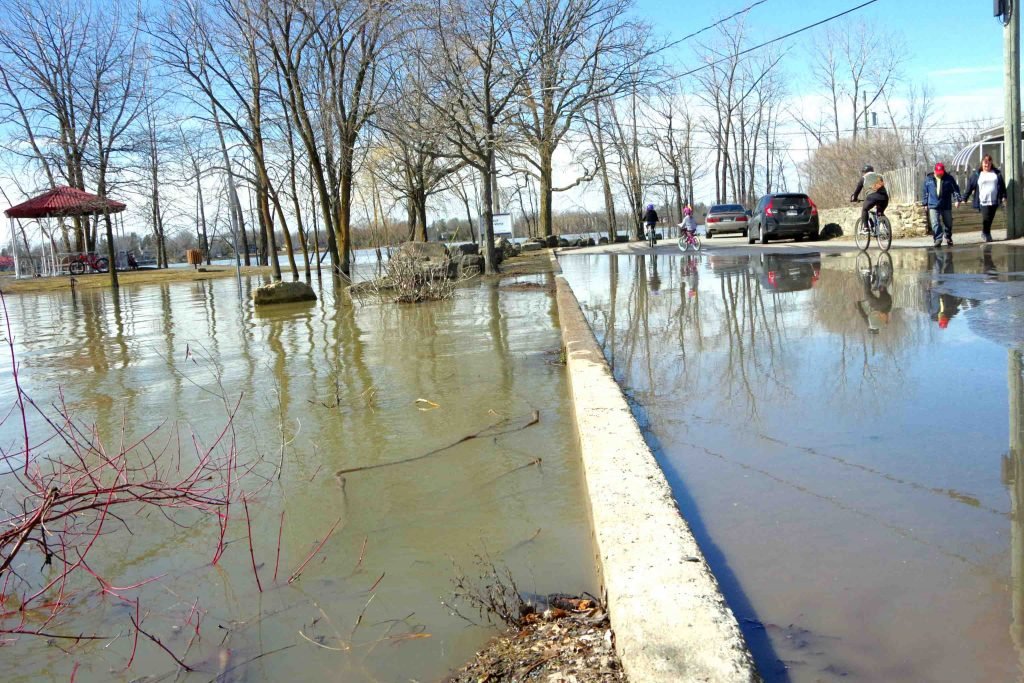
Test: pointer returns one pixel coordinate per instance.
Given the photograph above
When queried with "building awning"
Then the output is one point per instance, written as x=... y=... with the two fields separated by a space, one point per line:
x=64 y=201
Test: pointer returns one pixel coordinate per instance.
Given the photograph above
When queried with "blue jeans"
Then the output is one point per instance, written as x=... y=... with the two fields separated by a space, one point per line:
x=939 y=219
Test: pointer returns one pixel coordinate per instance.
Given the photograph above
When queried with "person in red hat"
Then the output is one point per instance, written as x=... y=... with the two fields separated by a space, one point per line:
x=940 y=193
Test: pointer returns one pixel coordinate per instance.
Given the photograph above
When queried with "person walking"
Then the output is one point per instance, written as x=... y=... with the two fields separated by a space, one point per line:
x=940 y=193
x=988 y=189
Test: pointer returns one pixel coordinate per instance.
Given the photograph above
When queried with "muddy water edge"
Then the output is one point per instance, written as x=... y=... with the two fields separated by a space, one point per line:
x=324 y=387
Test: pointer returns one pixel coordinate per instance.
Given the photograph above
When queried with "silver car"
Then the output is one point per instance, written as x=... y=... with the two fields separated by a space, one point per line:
x=724 y=218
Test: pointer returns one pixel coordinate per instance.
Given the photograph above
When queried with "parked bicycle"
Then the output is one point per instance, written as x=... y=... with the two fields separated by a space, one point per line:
x=688 y=240
x=81 y=263
x=878 y=227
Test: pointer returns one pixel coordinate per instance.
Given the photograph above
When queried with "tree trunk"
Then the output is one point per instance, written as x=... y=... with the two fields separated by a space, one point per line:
x=410 y=217
x=546 y=192
x=233 y=201
x=344 y=245
x=421 y=217
x=204 y=241
x=111 y=253
x=490 y=267
x=287 y=236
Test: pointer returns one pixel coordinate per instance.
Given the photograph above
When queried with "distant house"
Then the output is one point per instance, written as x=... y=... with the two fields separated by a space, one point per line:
x=989 y=141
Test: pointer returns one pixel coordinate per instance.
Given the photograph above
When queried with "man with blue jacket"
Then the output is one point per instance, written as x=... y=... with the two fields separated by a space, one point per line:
x=940 y=193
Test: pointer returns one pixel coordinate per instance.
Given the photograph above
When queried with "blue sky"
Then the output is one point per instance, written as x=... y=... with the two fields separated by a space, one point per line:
x=956 y=47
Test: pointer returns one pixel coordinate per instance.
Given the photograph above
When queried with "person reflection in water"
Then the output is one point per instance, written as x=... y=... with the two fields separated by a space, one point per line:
x=876 y=306
x=654 y=281
x=942 y=307
x=691 y=275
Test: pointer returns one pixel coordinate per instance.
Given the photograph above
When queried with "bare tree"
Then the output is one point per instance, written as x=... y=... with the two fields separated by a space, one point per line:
x=473 y=80
x=335 y=59
x=575 y=53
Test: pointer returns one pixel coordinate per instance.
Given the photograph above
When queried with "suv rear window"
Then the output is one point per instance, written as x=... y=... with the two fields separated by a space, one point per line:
x=727 y=208
x=800 y=200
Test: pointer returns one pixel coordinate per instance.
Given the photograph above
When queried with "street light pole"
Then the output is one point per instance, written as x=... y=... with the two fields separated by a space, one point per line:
x=1011 y=121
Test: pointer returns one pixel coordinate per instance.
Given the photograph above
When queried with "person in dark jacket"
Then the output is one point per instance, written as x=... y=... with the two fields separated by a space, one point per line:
x=988 y=188
x=650 y=217
x=877 y=195
x=940 y=193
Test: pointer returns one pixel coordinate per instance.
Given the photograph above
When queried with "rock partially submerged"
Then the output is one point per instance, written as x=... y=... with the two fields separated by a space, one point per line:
x=283 y=293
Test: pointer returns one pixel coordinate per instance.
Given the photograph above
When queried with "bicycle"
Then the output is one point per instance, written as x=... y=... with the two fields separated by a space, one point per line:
x=81 y=262
x=652 y=236
x=875 y=275
x=688 y=240
x=878 y=227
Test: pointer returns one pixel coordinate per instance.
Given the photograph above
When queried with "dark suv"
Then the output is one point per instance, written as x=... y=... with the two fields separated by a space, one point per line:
x=783 y=215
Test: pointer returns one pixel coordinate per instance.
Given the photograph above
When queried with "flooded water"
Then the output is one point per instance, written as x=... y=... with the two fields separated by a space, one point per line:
x=332 y=385
x=846 y=438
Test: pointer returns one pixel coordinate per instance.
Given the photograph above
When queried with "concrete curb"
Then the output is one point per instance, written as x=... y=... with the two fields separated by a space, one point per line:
x=671 y=622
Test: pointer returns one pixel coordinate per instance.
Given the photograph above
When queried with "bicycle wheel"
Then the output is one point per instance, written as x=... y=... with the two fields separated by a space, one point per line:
x=681 y=243
x=864 y=264
x=861 y=236
x=885 y=268
x=693 y=244
x=883 y=234
x=102 y=265
x=76 y=268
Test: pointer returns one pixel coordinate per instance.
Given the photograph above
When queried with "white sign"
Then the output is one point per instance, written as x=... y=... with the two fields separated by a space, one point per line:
x=503 y=225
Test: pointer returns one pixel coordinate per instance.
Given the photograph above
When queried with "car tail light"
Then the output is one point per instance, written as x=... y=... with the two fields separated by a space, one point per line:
x=771 y=277
x=814 y=207
x=769 y=210
x=712 y=220
x=742 y=219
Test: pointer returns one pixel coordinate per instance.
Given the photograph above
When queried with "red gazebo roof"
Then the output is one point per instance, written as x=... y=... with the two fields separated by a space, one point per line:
x=64 y=201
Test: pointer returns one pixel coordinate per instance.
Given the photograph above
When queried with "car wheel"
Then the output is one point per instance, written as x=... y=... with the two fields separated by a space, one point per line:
x=814 y=236
x=750 y=236
x=709 y=234
x=798 y=238
x=762 y=235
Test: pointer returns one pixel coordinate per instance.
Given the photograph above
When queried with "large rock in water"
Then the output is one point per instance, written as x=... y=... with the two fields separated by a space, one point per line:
x=429 y=258
x=283 y=293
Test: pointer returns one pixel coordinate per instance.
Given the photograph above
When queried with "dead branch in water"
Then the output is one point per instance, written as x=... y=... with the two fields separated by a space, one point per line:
x=486 y=431
x=295 y=574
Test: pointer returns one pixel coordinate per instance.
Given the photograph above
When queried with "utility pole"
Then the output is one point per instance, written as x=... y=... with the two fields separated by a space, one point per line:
x=866 y=115
x=1011 y=122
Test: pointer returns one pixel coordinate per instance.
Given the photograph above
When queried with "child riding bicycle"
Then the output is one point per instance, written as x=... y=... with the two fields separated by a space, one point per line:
x=689 y=224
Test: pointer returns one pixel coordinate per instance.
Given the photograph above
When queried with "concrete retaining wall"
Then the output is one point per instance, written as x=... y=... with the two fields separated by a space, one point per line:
x=670 y=620
x=908 y=220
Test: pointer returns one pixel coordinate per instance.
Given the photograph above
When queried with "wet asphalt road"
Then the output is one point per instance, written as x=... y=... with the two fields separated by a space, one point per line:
x=845 y=434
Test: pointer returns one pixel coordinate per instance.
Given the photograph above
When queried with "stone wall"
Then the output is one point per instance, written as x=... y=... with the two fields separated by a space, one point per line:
x=907 y=220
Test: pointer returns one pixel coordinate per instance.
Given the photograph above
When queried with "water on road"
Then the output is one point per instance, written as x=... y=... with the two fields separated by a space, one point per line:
x=323 y=387
x=846 y=436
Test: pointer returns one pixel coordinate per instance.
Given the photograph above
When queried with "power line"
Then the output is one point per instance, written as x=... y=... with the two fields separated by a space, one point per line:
x=717 y=23
x=775 y=40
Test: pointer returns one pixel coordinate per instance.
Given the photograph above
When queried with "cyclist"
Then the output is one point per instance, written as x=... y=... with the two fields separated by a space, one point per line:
x=689 y=224
x=650 y=218
x=877 y=196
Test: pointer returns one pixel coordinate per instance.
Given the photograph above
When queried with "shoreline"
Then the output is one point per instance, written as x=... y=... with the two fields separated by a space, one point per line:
x=529 y=263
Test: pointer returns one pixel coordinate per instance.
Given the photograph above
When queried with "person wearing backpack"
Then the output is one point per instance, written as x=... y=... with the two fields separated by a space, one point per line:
x=988 y=188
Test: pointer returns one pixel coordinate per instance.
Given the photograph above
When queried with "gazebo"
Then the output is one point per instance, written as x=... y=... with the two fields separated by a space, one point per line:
x=60 y=202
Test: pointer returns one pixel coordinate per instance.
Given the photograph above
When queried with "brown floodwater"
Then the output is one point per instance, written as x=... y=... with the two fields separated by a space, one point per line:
x=847 y=439
x=332 y=385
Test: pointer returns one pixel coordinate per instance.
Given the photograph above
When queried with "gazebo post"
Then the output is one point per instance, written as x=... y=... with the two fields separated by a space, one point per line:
x=14 y=252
